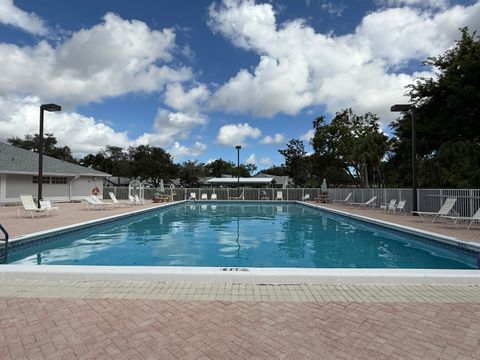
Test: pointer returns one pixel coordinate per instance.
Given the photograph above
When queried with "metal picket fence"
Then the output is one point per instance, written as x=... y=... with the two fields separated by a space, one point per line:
x=468 y=200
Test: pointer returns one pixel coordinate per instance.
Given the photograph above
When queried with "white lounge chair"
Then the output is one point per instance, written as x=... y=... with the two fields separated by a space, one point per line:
x=93 y=204
x=115 y=201
x=139 y=201
x=213 y=197
x=241 y=197
x=29 y=206
x=204 y=197
x=344 y=201
x=279 y=195
x=445 y=210
x=306 y=197
x=388 y=206
x=46 y=204
x=132 y=200
x=368 y=204
x=470 y=219
x=193 y=196
x=400 y=206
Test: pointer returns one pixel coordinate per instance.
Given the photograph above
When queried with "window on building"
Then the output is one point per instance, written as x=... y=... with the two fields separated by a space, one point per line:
x=46 y=180
x=58 y=180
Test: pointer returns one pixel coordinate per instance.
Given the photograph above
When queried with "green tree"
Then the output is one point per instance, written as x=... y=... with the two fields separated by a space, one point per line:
x=190 y=173
x=50 y=148
x=152 y=164
x=219 y=167
x=448 y=109
x=294 y=156
x=276 y=170
x=352 y=143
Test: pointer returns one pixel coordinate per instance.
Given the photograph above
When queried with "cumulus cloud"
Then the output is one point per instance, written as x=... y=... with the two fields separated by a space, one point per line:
x=175 y=125
x=236 y=134
x=14 y=16
x=276 y=139
x=435 y=4
x=251 y=160
x=265 y=161
x=308 y=135
x=191 y=100
x=112 y=58
x=82 y=134
x=179 y=151
x=299 y=67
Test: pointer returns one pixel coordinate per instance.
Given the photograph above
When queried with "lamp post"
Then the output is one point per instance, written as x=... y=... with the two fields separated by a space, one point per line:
x=238 y=147
x=51 y=108
x=404 y=108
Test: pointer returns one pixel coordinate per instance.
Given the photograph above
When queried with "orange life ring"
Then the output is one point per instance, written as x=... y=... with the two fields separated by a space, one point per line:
x=95 y=190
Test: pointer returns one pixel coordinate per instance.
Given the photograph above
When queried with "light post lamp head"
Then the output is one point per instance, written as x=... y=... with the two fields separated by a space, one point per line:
x=401 y=107
x=50 y=107
x=238 y=147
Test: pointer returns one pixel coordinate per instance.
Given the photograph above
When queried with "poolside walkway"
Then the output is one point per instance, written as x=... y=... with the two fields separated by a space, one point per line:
x=440 y=227
x=139 y=320
x=70 y=213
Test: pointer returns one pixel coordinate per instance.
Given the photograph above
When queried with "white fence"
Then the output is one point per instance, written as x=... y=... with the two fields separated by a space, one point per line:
x=468 y=200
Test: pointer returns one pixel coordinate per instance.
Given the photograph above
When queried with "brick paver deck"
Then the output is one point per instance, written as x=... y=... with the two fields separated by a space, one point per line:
x=338 y=322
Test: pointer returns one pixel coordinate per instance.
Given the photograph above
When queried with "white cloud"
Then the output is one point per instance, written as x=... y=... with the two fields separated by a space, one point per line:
x=236 y=134
x=112 y=58
x=308 y=135
x=82 y=134
x=29 y=22
x=251 y=160
x=276 y=139
x=299 y=67
x=170 y=126
x=265 y=161
x=179 y=99
x=180 y=151
x=435 y=4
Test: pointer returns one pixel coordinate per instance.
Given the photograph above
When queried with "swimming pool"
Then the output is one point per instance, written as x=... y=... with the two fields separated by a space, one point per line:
x=244 y=234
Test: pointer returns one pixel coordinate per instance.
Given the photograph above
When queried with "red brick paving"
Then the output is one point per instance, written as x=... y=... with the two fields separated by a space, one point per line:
x=32 y=328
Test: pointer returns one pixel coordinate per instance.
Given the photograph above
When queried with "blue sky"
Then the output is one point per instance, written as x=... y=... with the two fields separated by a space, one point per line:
x=199 y=77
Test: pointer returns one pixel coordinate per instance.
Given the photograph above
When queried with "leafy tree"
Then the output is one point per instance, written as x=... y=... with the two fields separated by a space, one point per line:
x=50 y=148
x=219 y=167
x=152 y=164
x=353 y=143
x=294 y=156
x=190 y=173
x=276 y=170
x=448 y=109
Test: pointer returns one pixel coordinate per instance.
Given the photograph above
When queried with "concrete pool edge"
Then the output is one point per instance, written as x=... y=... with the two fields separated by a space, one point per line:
x=463 y=244
x=337 y=276
x=333 y=276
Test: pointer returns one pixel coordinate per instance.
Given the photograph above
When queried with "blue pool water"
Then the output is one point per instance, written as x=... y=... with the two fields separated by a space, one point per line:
x=245 y=235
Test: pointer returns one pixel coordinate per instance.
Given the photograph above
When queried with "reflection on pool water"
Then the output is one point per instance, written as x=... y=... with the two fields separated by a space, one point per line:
x=243 y=234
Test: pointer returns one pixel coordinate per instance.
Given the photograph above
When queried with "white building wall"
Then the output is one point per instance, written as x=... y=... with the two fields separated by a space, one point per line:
x=12 y=186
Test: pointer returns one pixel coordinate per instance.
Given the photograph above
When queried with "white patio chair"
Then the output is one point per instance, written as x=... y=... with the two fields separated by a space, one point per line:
x=400 y=206
x=29 y=206
x=367 y=204
x=46 y=204
x=445 y=210
x=204 y=197
x=279 y=195
x=213 y=197
x=344 y=201
x=389 y=206
x=115 y=201
x=306 y=197
x=193 y=196
x=470 y=219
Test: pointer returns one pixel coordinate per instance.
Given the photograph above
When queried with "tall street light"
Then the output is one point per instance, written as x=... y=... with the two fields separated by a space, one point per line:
x=51 y=108
x=238 y=147
x=405 y=108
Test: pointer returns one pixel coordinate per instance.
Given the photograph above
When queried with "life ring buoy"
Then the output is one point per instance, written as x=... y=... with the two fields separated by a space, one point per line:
x=95 y=190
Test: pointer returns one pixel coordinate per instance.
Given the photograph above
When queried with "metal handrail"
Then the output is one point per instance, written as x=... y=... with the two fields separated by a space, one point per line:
x=5 y=233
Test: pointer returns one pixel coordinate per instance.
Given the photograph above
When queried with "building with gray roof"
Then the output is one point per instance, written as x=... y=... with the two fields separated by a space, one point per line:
x=62 y=181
